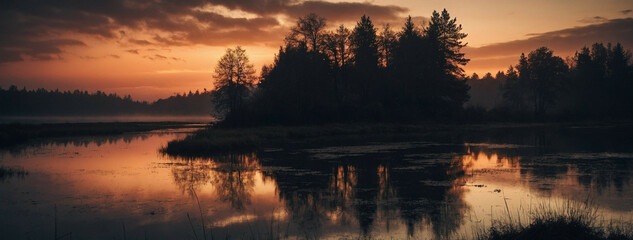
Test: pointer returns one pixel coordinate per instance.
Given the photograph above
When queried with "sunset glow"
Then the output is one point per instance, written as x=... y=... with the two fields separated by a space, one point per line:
x=154 y=50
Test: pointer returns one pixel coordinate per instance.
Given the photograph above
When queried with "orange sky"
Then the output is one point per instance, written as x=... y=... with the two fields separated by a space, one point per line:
x=152 y=50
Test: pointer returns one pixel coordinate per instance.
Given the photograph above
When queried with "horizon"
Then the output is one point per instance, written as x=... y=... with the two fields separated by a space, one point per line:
x=131 y=50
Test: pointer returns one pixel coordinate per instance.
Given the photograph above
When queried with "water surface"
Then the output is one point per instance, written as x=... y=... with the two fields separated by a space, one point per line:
x=438 y=186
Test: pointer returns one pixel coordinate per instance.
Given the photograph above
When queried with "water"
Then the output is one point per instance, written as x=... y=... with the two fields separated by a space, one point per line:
x=437 y=186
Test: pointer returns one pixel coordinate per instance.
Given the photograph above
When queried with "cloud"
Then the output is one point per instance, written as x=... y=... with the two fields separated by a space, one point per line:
x=102 y=57
x=39 y=50
x=172 y=71
x=9 y=56
x=141 y=42
x=133 y=51
x=346 y=11
x=564 y=42
x=158 y=57
x=170 y=22
x=592 y=20
x=626 y=11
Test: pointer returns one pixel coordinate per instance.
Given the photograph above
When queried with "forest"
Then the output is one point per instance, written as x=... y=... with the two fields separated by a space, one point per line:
x=42 y=102
x=414 y=73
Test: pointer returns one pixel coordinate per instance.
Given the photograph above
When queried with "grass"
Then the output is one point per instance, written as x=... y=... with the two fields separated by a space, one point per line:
x=567 y=220
x=16 y=134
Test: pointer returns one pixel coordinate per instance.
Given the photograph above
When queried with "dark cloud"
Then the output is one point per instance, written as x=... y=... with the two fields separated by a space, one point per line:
x=564 y=42
x=45 y=49
x=102 y=57
x=171 y=40
x=345 y=11
x=626 y=11
x=141 y=42
x=592 y=20
x=133 y=51
x=9 y=56
x=171 y=22
x=158 y=57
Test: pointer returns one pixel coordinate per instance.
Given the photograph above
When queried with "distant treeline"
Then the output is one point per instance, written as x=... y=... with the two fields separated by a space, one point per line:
x=367 y=74
x=42 y=102
x=596 y=83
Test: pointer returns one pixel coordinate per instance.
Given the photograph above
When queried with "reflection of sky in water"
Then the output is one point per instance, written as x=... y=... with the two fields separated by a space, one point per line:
x=103 y=185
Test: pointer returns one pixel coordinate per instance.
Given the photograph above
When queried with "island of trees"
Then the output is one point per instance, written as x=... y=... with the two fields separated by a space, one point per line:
x=414 y=74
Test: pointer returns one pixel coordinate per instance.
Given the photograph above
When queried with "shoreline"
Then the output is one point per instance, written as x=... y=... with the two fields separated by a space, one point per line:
x=217 y=140
x=15 y=134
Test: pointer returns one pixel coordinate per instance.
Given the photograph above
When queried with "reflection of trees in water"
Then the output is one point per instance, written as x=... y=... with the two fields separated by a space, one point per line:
x=363 y=190
x=192 y=173
x=592 y=165
x=231 y=175
x=432 y=195
x=342 y=183
x=81 y=141
x=378 y=189
x=371 y=190
x=234 y=178
x=611 y=172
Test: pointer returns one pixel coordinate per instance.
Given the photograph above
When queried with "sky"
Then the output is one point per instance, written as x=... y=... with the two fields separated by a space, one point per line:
x=152 y=49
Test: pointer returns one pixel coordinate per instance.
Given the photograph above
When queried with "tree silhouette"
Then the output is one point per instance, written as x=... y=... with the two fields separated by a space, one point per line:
x=234 y=77
x=365 y=45
x=297 y=88
x=445 y=78
x=387 y=41
x=542 y=74
x=364 y=86
x=337 y=47
x=310 y=30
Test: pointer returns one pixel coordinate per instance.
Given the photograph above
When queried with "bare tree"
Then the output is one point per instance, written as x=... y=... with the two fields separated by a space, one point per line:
x=310 y=30
x=234 y=77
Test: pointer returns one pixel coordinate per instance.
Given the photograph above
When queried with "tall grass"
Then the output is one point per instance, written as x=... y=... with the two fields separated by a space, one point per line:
x=566 y=219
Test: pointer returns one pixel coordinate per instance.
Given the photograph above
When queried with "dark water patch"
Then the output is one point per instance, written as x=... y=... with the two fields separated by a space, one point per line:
x=7 y=173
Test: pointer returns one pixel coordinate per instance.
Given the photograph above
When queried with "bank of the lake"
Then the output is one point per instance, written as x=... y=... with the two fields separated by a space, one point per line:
x=212 y=140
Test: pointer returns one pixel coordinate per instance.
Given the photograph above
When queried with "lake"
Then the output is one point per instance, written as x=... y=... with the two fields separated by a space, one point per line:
x=442 y=185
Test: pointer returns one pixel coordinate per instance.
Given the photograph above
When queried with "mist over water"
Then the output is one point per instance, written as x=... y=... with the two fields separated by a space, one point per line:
x=105 y=119
x=438 y=186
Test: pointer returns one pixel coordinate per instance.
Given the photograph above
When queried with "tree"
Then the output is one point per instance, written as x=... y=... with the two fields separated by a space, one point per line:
x=601 y=81
x=310 y=31
x=541 y=77
x=445 y=80
x=234 y=78
x=386 y=44
x=446 y=37
x=365 y=85
x=365 y=45
x=337 y=47
x=407 y=71
x=297 y=87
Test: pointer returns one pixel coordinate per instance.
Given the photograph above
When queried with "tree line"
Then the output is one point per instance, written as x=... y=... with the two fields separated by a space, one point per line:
x=42 y=102
x=413 y=74
x=362 y=74
x=596 y=83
